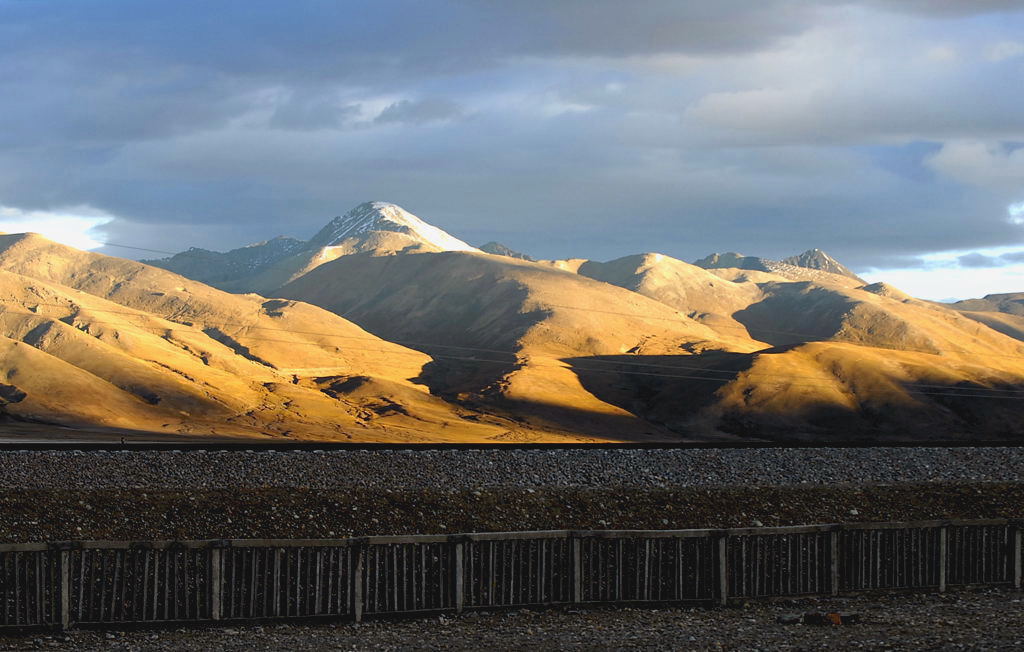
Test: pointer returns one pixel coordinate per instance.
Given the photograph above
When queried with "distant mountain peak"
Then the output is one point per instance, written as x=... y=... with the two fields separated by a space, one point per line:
x=818 y=259
x=499 y=249
x=278 y=241
x=379 y=228
x=733 y=259
x=384 y=216
x=815 y=259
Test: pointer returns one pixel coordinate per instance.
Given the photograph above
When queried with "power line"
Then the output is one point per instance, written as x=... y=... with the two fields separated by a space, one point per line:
x=153 y=251
x=413 y=344
x=560 y=366
x=812 y=337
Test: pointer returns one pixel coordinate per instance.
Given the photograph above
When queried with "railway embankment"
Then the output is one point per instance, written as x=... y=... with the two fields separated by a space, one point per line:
x=63 y=495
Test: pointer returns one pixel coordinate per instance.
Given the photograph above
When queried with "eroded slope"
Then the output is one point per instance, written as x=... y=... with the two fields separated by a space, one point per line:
x=95 y=340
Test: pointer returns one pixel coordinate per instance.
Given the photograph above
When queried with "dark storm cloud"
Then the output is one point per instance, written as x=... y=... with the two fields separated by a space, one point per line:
x=369 y=39
x=98 y=71
x=580 y=127
x=614 y=28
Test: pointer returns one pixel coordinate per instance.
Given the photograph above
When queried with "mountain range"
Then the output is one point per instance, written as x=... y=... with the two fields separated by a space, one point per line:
x=382 y=327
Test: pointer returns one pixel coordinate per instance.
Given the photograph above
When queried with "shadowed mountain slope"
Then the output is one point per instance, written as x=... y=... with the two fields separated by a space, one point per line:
x=101 y=341
x=858 y=377
x=820 y=392
x=416 y=336
x=796 y=312
x=214 y=267
x=1007 y=324
x=1000 y=312
x=690 y=289
x=534 y=315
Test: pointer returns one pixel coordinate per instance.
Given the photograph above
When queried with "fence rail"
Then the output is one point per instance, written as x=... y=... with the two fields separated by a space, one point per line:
x=119 y=582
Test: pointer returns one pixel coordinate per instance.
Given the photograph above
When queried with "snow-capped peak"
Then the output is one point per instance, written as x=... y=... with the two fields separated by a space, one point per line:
x=383 y=216
x=818 y=259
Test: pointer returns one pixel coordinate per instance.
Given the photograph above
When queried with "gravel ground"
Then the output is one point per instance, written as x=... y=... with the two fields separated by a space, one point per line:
x=472 y=469
x=61 y=515
x=989 y=620
x=54 y=496
x=48 y=496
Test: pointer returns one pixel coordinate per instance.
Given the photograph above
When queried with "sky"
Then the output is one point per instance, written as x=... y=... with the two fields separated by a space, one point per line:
x=887 y=132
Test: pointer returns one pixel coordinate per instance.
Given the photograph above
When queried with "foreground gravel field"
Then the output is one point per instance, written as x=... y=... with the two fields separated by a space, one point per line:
x=55 y=496
x=471 y=469
x=990 y=620
x=282 y=512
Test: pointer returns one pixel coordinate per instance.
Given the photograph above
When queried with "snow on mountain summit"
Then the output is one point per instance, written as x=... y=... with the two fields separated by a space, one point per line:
x=377 y=228
x=818 y=259
x=383 y=216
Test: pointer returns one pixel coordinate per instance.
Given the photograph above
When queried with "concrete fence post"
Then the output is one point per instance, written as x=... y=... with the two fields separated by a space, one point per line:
x=577 y=569
x=460 y=598
x=65 y=589
x=278 y=554
x=721 y=550
x=68 y=591
x=1018 y=535
x=356 y=583
x=943 y=556
x=216 y=584
x=833 y=538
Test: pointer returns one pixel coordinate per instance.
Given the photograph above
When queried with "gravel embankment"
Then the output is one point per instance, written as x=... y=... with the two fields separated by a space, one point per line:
x=472 y=469
x=59 y=515
x=55 y=496
x=990 y=620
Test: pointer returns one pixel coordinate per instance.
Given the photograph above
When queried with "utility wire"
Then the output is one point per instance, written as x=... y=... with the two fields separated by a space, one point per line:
x=378 y=339
x=152 y=251
x=414 y=344
x=746 y=329
x=723 y=380
x=612 y=362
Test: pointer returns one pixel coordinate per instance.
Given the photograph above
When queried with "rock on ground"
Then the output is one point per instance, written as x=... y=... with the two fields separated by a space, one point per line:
x=985 y=620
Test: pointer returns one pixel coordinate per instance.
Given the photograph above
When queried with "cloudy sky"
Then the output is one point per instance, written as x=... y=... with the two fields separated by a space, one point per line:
x=887 y=132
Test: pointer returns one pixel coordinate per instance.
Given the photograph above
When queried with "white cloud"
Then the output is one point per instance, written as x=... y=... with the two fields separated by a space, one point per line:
x=557 y=108
x=856 y=79
x=1005 y=50
x=576 y=127
x=979 y=163
x=941 y=53
x=74 y=227
x=770 y=109
x=1016 y=213
x=953 y=282
x=944 y=276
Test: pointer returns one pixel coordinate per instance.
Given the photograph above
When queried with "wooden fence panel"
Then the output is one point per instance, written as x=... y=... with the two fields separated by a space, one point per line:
x=139 y=584
x=779 y=565
x=891 y=558
x=981 y=554
x=111 y=582
x=30 y=592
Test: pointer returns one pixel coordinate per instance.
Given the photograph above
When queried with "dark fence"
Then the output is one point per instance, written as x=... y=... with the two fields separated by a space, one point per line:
x=102 y=582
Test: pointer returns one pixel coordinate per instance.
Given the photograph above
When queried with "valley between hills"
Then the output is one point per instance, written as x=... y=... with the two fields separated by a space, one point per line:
x=384 y=328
